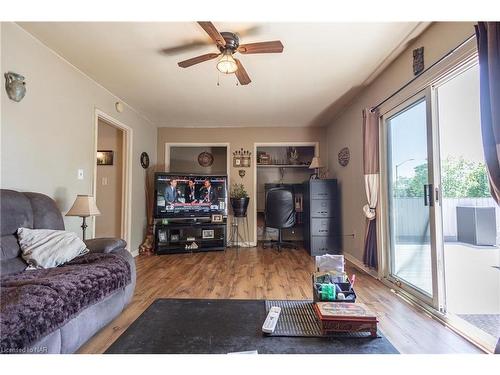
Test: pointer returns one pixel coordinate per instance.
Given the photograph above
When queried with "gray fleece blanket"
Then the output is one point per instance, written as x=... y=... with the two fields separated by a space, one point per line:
x=35 y=303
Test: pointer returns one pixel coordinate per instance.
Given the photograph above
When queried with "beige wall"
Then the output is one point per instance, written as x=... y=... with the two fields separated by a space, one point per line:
x=242 y=138
x=185 y=159
x=346 y=130
x=50 y=134
x=109 y=182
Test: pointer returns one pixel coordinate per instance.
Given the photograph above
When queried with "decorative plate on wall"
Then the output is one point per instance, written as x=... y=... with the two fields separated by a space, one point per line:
x=205 y=159
x=145 y=160
x=344 y=156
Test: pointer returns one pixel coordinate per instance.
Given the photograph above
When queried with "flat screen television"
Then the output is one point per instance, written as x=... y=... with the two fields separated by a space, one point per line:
x=189 y=195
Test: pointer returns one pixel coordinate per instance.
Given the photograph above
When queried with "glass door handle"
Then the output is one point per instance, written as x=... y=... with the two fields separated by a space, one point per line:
x=428 y=195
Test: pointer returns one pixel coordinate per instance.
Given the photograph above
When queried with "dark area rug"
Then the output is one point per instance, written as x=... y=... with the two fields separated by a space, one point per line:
x=202 y=326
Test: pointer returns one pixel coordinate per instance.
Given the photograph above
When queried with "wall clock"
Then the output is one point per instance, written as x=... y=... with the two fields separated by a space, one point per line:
x=205 y=159
x=145 y=160
x=344 y=156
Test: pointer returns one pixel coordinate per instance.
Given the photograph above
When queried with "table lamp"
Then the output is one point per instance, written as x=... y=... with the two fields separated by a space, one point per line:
x=316 y=165
x=84 y=207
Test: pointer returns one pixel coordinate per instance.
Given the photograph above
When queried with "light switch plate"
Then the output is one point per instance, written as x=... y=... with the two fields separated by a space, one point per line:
x=80 y=174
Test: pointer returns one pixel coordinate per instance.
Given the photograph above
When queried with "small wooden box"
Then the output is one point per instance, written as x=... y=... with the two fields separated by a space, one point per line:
x=337 y=317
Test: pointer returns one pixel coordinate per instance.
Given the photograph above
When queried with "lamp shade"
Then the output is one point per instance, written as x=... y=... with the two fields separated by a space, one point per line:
x=227 y=64
x=315 y=163
x=84 y=206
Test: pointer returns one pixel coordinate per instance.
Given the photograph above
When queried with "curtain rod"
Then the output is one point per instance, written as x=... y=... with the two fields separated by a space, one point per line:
x=451 y=52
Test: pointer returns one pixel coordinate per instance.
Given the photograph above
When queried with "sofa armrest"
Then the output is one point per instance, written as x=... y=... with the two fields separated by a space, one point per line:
x=105 y=245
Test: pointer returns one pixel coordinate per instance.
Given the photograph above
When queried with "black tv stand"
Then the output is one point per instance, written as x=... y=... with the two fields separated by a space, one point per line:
x=189 y=235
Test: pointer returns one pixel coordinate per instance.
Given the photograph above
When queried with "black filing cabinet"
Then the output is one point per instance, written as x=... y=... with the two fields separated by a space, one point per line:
x=321 y=221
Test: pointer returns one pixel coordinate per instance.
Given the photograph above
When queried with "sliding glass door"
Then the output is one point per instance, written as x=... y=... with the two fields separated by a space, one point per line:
x=440 y=226
x=410 y=197
x=470 y=216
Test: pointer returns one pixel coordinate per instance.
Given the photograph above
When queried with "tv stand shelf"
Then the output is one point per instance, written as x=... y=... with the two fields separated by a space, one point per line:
x=189 y=236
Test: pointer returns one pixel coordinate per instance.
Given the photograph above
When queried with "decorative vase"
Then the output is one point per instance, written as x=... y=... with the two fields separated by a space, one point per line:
x=15 y=86
x=240 y=206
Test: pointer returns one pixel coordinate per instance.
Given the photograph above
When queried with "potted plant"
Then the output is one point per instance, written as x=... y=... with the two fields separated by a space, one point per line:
x=239 y=200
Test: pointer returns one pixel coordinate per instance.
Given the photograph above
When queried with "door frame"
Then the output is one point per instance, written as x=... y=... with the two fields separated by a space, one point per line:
x=272 y=144
x=126 y=201
x=434 y=299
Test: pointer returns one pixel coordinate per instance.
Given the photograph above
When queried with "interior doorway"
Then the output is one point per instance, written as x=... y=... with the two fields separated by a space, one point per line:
x=286 y=165
x=113 y=142
x=109 y=178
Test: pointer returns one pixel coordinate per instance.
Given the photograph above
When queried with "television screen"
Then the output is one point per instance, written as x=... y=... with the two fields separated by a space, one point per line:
x=190 y=195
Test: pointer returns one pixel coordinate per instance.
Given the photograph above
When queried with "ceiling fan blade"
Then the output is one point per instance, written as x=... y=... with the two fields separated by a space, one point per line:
x=197 y=60
x=242 y=74
x=212 y=32
x=274 y=46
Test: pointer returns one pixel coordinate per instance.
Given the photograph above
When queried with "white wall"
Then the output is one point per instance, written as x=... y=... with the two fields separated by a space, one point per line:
x=346 y=129
x=50 y=134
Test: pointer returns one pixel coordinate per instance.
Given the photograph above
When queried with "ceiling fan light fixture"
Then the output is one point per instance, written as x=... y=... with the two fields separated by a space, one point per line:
x=227 y=64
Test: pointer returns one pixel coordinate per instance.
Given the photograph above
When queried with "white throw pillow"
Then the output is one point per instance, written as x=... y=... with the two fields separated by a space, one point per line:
x=47 y=248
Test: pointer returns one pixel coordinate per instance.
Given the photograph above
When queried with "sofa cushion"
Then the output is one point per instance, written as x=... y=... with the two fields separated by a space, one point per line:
x=28 y=210
x=16 y=212
x=35 y=303
x=46 y=248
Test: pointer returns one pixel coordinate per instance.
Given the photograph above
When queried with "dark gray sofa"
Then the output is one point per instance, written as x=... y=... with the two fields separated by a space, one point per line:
x=38 y=211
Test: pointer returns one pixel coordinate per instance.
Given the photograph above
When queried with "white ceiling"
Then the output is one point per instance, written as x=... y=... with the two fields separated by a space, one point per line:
x=320 y=63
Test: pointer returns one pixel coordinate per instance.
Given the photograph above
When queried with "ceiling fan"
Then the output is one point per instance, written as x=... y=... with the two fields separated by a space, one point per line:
x=228 y=44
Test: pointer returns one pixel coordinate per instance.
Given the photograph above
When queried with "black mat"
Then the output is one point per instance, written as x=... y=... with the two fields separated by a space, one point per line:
x=201 y=326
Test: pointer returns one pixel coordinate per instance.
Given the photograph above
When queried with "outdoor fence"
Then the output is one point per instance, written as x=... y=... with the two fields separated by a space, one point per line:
x=412 y=220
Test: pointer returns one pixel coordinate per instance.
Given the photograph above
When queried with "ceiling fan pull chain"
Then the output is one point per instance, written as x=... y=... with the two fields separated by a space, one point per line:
x=218 y=79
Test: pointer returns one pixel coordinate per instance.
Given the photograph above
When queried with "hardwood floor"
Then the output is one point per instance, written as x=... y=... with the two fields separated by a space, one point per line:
x=256 y=273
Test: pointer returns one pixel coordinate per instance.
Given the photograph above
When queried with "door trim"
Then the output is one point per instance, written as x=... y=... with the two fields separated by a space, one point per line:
x=126 y=224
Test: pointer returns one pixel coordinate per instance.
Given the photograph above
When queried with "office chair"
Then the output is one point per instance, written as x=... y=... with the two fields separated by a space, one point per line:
x=279 y=214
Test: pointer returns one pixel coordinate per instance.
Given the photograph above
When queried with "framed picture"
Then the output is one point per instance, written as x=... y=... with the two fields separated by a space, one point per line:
x=162 y=236
x=236 y=161
x=104 y=157
x=207 y=233
x=245 y=161
x=217 y=218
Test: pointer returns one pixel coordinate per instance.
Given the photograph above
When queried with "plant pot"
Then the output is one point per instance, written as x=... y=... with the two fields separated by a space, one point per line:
x=240 y=206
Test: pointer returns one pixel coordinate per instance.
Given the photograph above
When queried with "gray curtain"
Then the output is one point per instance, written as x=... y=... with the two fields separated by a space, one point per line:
x=371 y=171
x=488 y=44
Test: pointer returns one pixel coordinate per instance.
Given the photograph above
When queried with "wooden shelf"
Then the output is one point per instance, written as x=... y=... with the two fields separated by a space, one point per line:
x=282 y=166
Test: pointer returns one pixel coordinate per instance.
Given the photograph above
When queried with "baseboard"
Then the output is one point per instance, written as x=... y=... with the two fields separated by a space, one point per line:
x=359 y=265
x=135 y=253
